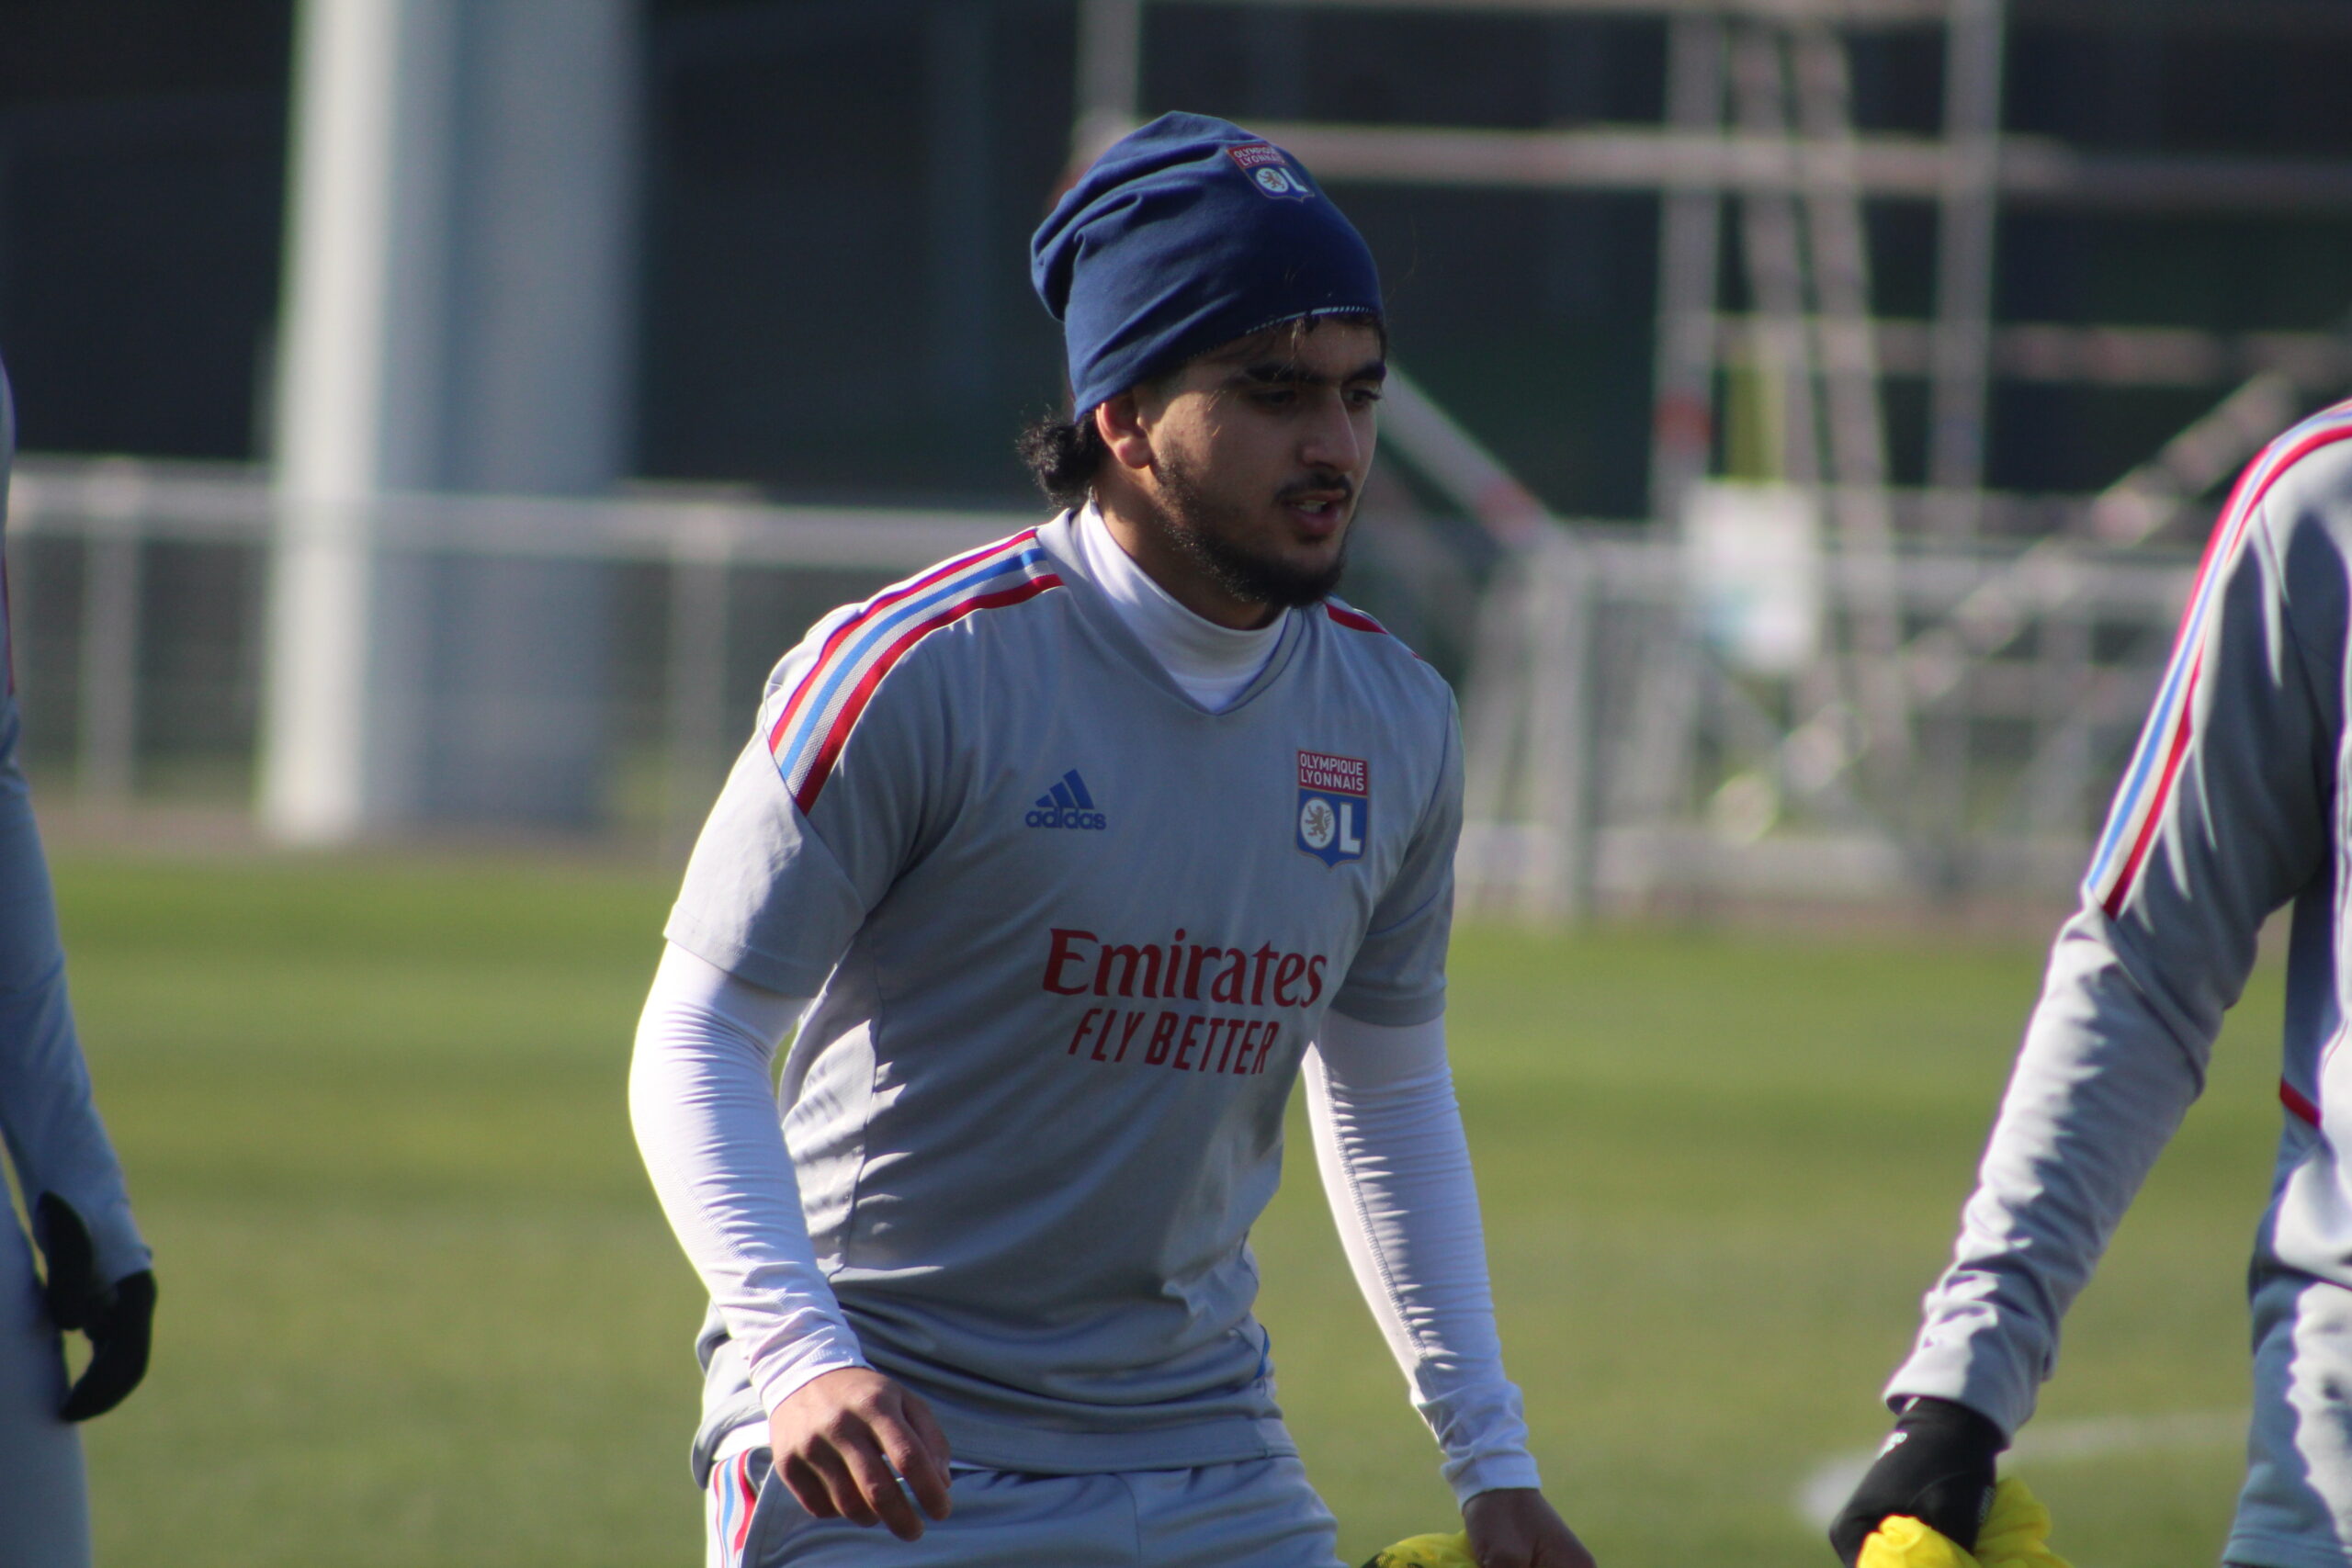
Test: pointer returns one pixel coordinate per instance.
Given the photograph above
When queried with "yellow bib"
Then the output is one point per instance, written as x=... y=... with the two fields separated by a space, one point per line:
x=2016 y=1535
x=1426 y=1551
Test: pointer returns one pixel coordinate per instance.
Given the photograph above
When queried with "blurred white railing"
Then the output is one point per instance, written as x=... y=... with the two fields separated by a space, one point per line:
x=1619 y=753
x=116 y=512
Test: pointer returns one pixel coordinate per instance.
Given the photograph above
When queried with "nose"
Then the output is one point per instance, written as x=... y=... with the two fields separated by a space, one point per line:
x=1332 y=438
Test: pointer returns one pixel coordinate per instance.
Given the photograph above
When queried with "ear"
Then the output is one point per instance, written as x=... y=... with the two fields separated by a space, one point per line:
x=1120 y=422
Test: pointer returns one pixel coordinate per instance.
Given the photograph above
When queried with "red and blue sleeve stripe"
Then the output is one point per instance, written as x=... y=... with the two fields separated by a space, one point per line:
x=822 y=710
x=733 y=1497
x=2140 y=804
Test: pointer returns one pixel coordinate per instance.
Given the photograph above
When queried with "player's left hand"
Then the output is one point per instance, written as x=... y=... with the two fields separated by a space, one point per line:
x=117 y=1315
x=1513 y=1526
x=1938 y=1468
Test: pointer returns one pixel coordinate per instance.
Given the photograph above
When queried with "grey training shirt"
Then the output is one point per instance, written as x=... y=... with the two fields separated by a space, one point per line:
x=1069 y=934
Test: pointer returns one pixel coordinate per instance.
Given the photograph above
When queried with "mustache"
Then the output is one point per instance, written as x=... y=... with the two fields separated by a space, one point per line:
x=1344 y=486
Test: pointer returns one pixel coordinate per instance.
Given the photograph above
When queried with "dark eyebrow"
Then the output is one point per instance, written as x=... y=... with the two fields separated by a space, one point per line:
x=1291 y=373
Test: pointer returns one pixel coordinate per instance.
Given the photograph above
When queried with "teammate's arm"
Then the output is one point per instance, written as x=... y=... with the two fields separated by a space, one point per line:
x=1396 y=1167
x=705 y=1116
x=99 y=1283
x=2221 y=820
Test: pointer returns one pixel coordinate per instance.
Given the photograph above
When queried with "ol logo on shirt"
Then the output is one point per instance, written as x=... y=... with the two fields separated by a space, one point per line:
x=1334 y=796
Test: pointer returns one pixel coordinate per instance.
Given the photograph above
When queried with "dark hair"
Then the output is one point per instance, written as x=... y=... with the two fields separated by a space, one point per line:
x=1062 y=454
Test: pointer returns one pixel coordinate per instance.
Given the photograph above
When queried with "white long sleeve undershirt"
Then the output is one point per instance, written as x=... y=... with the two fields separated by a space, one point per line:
x=1388 y=1137
x=1396 y=1172
x=707 y=1124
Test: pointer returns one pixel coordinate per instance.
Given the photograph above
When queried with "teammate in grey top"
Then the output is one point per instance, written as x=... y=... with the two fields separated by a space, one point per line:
x=98 y=1280
x=2235 y=805
x=1078 y=842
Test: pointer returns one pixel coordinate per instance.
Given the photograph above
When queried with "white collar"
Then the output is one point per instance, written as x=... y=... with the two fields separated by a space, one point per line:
x=1211 y=664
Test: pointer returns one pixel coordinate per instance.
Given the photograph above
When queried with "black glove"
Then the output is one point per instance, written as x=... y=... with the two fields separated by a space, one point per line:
x=117 y=1318
x=1937 y=1468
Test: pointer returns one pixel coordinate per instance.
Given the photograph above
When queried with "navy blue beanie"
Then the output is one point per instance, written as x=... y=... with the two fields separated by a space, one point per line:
x=1186 y=234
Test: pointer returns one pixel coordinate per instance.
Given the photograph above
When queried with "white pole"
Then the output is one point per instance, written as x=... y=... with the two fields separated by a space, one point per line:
x=1682 y=414
x=114 y=562
x=331 y=418
x=1110 y=73
x=1961 y=359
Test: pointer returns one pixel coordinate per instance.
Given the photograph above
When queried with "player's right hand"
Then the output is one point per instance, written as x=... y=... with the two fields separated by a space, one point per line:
x=844 y=1440
x=1936 y=1468
x=117 y=1317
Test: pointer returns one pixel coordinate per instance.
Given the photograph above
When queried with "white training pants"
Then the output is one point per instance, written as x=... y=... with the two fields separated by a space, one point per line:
x=1253 y=1514
x=2296 y=1510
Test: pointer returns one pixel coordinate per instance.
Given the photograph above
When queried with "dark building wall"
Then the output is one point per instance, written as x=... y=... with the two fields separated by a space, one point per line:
x=142 y=151
x=838 y=201
x=839 y=204
x=2190 y=79
x=833 y=309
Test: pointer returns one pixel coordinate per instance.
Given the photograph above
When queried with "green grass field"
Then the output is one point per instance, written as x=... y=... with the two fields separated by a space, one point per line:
x=419 y=1307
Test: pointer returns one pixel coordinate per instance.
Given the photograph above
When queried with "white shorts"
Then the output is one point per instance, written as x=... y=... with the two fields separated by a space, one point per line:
x=1254 y=1514
x=44 y=1501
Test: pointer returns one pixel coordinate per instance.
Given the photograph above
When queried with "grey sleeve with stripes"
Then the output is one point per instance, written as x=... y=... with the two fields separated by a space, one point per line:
x=2221 y=819
x=774 y=895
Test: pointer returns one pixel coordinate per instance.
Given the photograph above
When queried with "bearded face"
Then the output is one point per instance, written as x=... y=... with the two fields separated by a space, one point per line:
x=1238 y=477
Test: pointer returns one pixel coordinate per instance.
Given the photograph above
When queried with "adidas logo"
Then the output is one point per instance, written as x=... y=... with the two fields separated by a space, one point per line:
x=1067 y=805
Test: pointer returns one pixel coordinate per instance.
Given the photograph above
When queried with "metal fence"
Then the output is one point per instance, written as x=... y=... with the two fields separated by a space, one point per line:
x=1620 y=753
x=138 y=603
x=1620 y=756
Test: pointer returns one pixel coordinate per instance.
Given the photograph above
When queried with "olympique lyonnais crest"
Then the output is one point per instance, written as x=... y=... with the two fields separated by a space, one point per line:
x=1334 y=799
x=1270 y=171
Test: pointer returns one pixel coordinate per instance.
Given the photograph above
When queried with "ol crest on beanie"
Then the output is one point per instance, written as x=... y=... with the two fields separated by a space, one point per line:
x=1186 y=234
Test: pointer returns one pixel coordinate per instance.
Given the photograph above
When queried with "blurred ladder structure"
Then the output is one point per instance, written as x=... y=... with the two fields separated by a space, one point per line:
x=1875 y=745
